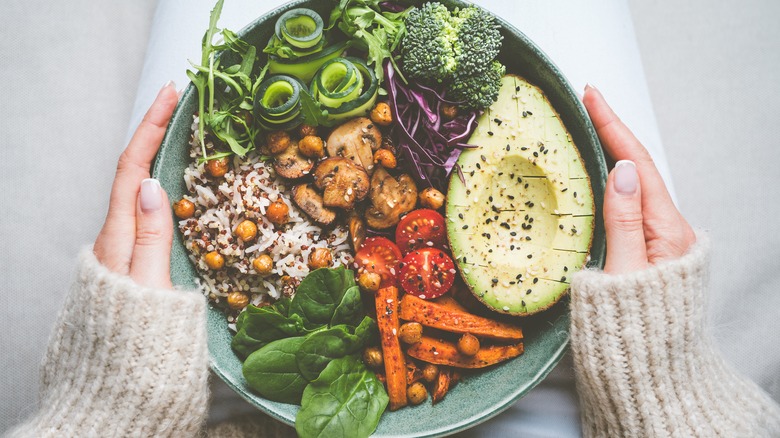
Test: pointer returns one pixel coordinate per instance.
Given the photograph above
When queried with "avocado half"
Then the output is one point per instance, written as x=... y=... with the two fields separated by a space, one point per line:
x=523 y=222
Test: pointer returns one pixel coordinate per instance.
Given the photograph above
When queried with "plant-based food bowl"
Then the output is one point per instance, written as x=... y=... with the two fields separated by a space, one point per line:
x=477 y=397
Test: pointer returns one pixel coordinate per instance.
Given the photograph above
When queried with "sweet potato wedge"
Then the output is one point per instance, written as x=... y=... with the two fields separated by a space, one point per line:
x=442 y=385
x=446 y=353
x=446 y=317
x=448 y=302
x=395 y=361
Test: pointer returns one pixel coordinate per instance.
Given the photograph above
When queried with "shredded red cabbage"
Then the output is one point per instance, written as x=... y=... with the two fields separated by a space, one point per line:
x=391 y=6
x=427 y=147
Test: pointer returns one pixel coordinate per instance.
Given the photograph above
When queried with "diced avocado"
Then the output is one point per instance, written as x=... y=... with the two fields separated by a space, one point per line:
x=523 y=222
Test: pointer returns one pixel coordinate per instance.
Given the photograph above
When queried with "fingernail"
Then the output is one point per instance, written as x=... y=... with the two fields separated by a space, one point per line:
x=168 y=84
x=150 y=195
x=626 y=178
x=589 y=86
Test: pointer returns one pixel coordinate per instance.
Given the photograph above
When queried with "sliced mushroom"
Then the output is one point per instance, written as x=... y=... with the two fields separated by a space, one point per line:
x=291 y=164
x=356 y=140
x=390 y=199
x=357 y=230
x=343 y=182
x=309 y=200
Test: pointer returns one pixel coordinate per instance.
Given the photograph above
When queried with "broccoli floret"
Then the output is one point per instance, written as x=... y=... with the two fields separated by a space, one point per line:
x=428 y=49
x=479 y=40
x=477 y=91
x=455 y=48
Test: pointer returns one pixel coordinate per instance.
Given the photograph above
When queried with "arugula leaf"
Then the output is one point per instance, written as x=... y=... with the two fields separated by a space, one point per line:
x=346 y=400
x=313 y=114
x=272 y=371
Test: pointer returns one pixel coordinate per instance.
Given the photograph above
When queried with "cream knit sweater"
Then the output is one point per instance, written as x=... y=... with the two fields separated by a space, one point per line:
x=131 y=361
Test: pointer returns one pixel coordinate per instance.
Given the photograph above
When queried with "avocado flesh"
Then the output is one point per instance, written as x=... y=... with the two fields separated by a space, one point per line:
x=523 y=222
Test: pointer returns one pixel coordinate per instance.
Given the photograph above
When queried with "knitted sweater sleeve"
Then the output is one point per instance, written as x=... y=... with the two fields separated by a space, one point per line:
x=644 y=364
x=123 y=360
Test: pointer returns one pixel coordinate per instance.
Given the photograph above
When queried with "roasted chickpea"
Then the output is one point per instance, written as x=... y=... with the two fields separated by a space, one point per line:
x=305 y=130
x=264 y=264
x=410 y=333
x=237 y=300
x=184 y=209
x=369 y=281
x=386 y=158
x=416 y=393
x=278 y=212
x=449 y=111
x=468 y=345
x=372 y=357
x=214 y=260
x=431 y=198
x=277 y=141
x=381 y=114
x=312 y=146
x=246 y=231
x=430 y=373
x=217 y=167
x=320 y=258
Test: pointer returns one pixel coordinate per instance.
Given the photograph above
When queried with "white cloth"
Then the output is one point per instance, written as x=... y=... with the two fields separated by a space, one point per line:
x=591 y=42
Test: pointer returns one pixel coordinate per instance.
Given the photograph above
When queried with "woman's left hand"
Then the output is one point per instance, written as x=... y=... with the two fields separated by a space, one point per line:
x=137 y=235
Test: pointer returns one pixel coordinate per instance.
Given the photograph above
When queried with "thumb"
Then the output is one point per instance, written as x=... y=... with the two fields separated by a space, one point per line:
x=151 y=263
x=626 y=248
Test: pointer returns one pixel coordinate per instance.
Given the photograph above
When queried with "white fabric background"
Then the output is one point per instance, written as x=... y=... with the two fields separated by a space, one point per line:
x=71 y=70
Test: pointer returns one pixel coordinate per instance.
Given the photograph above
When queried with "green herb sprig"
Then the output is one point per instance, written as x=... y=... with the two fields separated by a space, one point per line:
x=225 y=93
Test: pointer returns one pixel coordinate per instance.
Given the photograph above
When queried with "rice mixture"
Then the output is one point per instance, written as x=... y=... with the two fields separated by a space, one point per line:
x=245 y=192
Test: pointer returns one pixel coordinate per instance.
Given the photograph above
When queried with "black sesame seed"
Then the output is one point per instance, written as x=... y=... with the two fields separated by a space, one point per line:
x=513 y=233
x=478 y=166
x=527 y=237
x=565 y=269
x=525 y=186
x=563 y=278
x=498 y=122
x=490 y=198
x=564 y=189
x=523 y=148
x=536 y=154
x=490 y=133
x=517 y=89
x=530 y=256
x=528 y=292
x=495 y=280
x=460 y=215
x=525 y=113
x=536 y=280
x=530 y=113
x=465 y=226
x=507 y=148
x=511 y=247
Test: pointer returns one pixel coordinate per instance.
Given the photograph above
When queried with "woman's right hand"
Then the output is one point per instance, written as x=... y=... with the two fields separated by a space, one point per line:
x=643 y=225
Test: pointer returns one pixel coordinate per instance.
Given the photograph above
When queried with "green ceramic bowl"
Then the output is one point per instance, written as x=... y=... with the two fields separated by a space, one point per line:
x=480 y=396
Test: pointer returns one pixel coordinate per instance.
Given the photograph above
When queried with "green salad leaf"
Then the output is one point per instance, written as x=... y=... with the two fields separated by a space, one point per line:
x=257 y=326
x=346 y=400
x=273 y=372
x=322 y=347
x=320 y=293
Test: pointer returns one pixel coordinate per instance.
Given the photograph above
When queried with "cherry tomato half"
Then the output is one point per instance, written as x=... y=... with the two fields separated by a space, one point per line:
x=427 y=273
x=423 y=228
x=379 y=255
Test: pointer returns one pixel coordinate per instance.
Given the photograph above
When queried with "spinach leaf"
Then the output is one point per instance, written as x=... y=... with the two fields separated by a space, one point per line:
x=345 y=401
x=322 y=347
x=318 y=295
x=350 y=310
x=272 y=371
x=257 y=326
